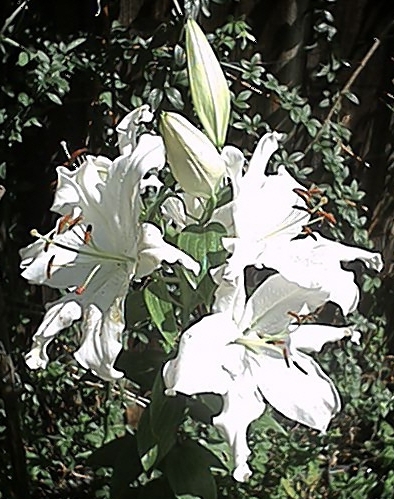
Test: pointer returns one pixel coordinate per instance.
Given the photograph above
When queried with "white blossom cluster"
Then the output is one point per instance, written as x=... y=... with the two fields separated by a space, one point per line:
x=252 y=351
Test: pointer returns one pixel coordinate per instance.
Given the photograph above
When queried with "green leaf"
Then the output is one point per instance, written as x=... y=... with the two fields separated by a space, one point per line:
x=175 y=97
x=204 y=244
x=24 y=99
x=158 y=302
x=75 y=43
x=188 y=469
x=288 y=488
x=141 y=366
x=23 y=59
x=106 y=98
x=352 y=97
x=268 y=422
x=54 y=98
x=155 y=98
x=158 y=427
x=3 y=170
x=120 y=454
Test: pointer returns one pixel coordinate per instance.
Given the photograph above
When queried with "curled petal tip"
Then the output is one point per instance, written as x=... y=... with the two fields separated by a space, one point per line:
x=242 y=473
x=355 y=336
x=34 y=360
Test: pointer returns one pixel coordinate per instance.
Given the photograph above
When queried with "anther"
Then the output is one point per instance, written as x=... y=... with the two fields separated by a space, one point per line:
x=63 y=223
x=63 y=143
x=74 y=222
x=286 y=356
x=50 y=266
x=88 y=234
x=307 y=231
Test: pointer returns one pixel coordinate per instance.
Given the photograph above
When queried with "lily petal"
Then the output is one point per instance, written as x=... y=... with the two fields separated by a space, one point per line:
x=301 y=392
x=58 y=317
x=312 y=337
x=152 y=250
x=101 y=340
x=128 y=127
x=230 y=296
x=234 y=160
x=267 y=310
x=255 y=175
x=316 y=263
x=242 y=405
x=206 y=359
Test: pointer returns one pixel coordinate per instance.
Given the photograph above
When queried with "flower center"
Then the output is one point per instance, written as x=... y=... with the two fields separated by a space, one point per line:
x=82 y=243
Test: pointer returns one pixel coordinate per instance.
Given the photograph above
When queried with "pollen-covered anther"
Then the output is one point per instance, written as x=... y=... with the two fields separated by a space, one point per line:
x=327 y=217
x=307 y=195
x=64 y=223
x=80 y=289
x=88 y=234
x=50 y=266
x=75 y=222
x=307 y=231
x=300 y=318
x=49 y=241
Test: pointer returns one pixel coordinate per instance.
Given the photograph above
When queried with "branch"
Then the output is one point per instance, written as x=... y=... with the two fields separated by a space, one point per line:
x=16 y=12
x=349 y=83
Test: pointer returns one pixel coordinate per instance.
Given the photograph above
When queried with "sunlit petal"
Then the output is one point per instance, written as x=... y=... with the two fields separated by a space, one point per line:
x=58 y=317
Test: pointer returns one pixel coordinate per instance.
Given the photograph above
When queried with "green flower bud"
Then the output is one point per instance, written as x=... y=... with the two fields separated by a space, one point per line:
x=193 y=159
x=208 y=85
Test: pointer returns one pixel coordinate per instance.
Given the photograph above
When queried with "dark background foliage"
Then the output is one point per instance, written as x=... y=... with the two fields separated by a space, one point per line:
x=68 y=74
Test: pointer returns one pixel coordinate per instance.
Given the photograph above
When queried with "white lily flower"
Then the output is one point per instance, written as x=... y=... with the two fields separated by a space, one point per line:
x=267 y=215
x=259 y=359
x=97 y=246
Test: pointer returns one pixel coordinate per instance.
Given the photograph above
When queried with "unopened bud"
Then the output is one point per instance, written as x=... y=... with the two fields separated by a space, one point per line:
x=208 y=85
x=193 y=159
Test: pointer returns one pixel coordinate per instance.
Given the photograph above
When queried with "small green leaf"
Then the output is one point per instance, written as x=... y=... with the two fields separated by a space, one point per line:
x=54 y=98
x=204 y=244
x=75 y=43
x=23 y=59
x=155 y=98
x=352 y=97
x=175 y=97
x=106 y=98
x=24 y=99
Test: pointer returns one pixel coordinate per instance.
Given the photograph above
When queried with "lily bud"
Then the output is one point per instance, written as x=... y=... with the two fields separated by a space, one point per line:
x=208 y=85
x=193 y=159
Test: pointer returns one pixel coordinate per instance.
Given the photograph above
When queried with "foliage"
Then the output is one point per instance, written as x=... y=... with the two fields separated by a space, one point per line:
x=80 y=437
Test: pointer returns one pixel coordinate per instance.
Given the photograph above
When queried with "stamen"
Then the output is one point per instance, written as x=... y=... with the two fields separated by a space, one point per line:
x=74 y=222
x=327 y=216
x=81 y=289
x=286 y=356
x=299 y=367
x=63 y=223
x=301 y=319
x=63 y=143
x=88 y=234
x=308 y=232
x=50 y=266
